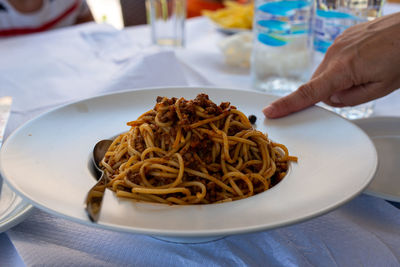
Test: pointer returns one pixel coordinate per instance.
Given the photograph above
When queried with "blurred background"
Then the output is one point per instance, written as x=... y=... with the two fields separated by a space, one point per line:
x=120 y=13
x=109 y=11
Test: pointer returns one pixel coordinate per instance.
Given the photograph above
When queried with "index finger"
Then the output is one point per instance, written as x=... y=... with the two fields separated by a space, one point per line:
x=317 y=89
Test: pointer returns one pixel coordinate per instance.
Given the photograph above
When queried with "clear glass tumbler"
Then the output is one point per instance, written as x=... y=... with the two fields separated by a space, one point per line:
x=352 y=113
x=167 y=21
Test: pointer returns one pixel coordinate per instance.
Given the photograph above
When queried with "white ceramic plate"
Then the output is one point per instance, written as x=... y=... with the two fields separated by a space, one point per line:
x=385 y=134
x=47 y=161
x=13 y=209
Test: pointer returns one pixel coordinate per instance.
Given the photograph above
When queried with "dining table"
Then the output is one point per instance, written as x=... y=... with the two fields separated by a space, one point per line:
x=46 y=70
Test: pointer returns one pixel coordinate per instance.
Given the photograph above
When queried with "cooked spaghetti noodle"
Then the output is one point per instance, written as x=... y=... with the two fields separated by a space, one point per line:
x=193 y=152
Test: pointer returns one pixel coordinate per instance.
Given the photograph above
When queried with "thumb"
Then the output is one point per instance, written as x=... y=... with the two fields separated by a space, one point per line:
x=317 y=89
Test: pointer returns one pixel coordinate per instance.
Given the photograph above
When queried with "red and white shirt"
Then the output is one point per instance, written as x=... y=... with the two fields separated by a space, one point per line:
x=53 y=14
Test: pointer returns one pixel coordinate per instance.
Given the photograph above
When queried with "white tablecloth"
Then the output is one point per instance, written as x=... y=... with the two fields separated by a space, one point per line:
x=45 y=70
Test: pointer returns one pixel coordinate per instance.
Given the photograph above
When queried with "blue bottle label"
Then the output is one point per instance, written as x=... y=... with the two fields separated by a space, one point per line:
x=279 y=21
x=271 y=40
x=333 y=14
x=328 y=25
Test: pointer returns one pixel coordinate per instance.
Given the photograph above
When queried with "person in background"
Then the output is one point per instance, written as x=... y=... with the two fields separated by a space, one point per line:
x=19 y=17
x=362 y=64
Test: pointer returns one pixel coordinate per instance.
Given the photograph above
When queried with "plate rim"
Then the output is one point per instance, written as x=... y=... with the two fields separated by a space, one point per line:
x=183 y=233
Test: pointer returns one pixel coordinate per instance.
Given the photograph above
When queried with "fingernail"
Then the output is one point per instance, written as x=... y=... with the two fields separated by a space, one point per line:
x=269 y=111
x=335 y=99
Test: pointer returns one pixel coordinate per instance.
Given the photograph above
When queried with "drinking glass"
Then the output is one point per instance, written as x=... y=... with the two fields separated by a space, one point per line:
x=167 y=21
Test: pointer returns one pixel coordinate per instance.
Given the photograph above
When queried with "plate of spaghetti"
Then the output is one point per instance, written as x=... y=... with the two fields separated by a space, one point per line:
x=189 y=164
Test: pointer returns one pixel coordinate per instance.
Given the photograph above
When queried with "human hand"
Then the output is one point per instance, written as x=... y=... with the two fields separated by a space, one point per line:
x=362 y=64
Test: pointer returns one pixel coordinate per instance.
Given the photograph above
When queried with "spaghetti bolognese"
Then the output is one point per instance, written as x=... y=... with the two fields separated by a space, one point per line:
x=193 y=152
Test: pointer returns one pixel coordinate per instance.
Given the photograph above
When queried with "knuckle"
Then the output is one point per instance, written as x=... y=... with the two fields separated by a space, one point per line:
x=336 y=47
x=342 y=73
x=286 y=103
x=308 y=93
x=283 y=104
x=331 y=51
x=338 y=66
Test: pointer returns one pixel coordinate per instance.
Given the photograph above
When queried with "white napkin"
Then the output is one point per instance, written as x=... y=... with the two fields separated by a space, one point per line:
x=148 y=69
x=8 y=254
x=329 y=240
x=94 y=60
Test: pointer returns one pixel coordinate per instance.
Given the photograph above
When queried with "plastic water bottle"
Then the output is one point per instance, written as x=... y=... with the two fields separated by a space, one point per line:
x=281 y=56
x=331 y=19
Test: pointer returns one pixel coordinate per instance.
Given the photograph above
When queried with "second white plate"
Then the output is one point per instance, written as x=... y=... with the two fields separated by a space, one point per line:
x=385 y=133
x=13 y=209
